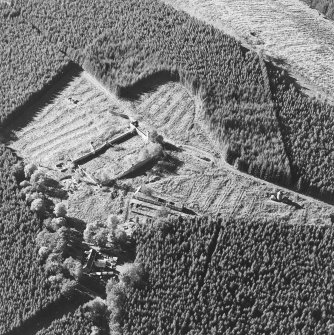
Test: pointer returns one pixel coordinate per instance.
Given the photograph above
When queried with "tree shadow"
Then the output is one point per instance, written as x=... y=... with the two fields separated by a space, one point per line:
x=291 y=203
x=147 y=84
x=23 y=115
x=170 y=147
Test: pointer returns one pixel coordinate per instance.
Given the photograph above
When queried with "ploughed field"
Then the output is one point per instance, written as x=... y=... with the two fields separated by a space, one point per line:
x=287 y=30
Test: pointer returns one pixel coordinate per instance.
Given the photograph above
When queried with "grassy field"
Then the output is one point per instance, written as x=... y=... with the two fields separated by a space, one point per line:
x=286 y=30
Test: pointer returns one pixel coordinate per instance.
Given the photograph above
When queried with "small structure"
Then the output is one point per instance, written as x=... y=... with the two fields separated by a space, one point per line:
x=149 y=206
x=100 y=263
x=103 y=274
x=160 y=202
x=279 y=196
x=97 y=261
x=96 y=151
x=273 y=197
x=92 y=253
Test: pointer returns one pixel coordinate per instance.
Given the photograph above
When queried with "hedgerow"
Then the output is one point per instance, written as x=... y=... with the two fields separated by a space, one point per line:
x=233 y=277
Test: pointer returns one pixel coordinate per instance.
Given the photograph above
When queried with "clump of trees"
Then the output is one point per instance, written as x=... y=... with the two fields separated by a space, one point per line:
x=57 y=242
x=155 y=137
x=60 y=250
x=106 y=177
x=106 y=234
x=37 y=205
x=37 y=190
x=96 y=309
x=118 y=292
x=152 y=150
x=60 y=210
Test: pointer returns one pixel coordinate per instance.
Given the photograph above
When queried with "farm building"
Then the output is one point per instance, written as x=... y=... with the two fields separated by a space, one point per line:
x=97 y=261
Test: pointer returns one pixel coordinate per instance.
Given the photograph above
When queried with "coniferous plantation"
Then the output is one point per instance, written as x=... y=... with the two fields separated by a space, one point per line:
x=211 y=276
x=98 y=249
x=28 y=62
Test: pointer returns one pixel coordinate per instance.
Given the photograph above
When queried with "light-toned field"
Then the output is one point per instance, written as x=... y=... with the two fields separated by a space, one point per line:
x=78 y=115
x=284 y=29
x=203 y=181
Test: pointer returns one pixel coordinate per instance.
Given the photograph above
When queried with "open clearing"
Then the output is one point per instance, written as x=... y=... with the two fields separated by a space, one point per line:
x=286 y=30
x=80 y=114
x=84 y=111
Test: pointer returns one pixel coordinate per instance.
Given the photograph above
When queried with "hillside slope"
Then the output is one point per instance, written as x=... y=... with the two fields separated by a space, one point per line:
x=286 y=30
x=255 y=123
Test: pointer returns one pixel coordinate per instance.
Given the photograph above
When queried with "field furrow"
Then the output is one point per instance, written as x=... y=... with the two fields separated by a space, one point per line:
x=149 y=99
x=225 y=191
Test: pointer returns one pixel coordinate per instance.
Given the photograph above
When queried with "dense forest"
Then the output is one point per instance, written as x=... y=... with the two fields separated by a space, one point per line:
x=307 y=131
x=24 y=285
x=325 y=7
x=209 y=276
x=28 y=62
